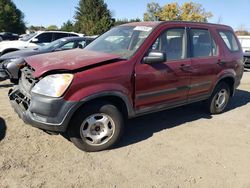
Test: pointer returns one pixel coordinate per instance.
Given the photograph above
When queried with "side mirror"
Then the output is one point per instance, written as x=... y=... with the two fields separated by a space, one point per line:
x=155 y=57
x=34 y=40
x=80 y=46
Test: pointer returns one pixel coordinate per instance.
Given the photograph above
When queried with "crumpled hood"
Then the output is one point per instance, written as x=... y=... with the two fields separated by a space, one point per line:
x=20 y=54
x=67 y=60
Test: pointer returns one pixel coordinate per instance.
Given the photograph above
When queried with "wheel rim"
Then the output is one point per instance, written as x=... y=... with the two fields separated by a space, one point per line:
x=221 y=99
x=97 y=129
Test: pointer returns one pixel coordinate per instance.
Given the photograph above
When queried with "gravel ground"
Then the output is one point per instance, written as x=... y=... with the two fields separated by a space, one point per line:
x=183 y=147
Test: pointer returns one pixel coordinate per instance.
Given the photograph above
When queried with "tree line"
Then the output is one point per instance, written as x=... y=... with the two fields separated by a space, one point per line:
x=11 y=18
x=189 y=11
x=92 y=17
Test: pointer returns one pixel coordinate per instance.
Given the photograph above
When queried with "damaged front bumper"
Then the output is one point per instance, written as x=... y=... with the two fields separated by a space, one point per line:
x=50 y=114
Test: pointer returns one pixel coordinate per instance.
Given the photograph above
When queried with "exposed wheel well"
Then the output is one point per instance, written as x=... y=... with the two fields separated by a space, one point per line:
x=9 y=50
x=230 y=82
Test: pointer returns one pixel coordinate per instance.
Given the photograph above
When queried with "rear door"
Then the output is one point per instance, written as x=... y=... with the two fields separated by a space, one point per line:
x=205 y=62
x=164 y=84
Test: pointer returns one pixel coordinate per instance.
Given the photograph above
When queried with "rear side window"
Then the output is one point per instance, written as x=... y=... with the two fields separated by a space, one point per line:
x=202 y=44
x=73 y=35
x=230 y=40
x=60 y=35
x=44 y=38
x=68 y=46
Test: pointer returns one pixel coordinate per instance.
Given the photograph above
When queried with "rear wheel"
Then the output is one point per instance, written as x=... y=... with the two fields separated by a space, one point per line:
x=96 y=127
x=218 y=101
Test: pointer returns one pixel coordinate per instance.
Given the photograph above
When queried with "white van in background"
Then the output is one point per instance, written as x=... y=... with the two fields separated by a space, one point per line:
x=245 y=43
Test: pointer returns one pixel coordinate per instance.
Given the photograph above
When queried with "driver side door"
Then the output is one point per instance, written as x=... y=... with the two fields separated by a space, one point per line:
x=166 y=84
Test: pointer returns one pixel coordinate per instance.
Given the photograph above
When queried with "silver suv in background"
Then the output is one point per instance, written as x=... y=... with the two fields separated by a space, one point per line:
x=10 y=63
x=34 y=40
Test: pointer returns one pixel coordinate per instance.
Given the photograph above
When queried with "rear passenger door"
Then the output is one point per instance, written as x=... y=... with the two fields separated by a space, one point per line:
x=204 y=62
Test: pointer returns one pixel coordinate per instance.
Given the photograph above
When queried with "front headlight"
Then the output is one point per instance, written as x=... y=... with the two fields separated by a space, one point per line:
x=53 y=85
x=7 y=61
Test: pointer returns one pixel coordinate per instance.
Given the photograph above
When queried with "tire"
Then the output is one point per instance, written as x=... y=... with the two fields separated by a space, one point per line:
x=219 y=99
x=95 y=127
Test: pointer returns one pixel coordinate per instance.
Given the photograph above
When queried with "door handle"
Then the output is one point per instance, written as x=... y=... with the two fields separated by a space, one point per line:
x=186 y=68
x=221 y=62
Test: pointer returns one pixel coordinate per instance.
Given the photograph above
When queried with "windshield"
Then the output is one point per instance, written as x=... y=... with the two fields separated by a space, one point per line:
x=53 y=45
x=123 y=40
x=27 y=37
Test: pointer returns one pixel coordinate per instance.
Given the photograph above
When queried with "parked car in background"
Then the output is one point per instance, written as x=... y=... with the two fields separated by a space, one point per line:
x=131 y=70
x=8 y=36
x=34 y=40
x=10 y=62
x=247 y=60
x=245 y=43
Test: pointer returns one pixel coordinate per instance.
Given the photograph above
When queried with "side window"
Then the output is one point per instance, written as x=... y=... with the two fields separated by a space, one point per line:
x=59 y=35
x=73 y=35
x=88 y=41
x=230 y=40
x=44 y=38
x=173 y=42
x=68 y=46
x=215 y=48
x=202 y=44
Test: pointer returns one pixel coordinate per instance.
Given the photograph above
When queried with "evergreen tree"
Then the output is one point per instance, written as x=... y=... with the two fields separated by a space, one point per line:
x=92 y=17
x=11 y=18
x=68 y=26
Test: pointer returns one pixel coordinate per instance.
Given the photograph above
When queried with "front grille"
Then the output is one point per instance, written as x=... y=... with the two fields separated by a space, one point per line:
x=21 y=93
x=27 y=81
x=22 y=100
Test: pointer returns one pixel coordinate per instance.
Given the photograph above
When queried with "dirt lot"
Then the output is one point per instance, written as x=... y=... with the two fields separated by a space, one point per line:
x=183 y=147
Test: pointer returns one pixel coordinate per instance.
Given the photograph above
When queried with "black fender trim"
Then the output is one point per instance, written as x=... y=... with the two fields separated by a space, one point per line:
x=123 y=97
x=224 y=77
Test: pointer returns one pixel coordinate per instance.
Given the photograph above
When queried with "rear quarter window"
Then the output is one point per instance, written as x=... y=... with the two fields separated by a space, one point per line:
x=60 y=35
x=230 y=40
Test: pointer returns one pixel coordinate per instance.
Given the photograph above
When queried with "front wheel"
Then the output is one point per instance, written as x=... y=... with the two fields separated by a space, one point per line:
x=219 y=99
x=96 y=127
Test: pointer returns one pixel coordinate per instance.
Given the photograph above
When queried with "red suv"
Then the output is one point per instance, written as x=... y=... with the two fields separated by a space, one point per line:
x=131 y=70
